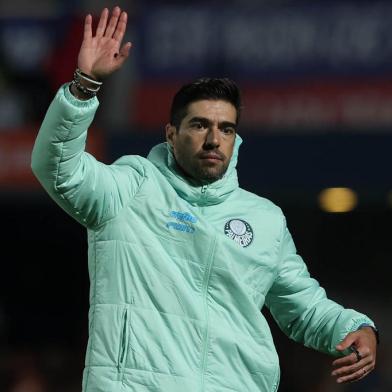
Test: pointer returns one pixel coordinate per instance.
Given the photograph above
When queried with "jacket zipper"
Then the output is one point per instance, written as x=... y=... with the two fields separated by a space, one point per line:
x=206 y=280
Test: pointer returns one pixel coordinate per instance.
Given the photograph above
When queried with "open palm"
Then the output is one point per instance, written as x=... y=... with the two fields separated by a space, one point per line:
x=102 y=54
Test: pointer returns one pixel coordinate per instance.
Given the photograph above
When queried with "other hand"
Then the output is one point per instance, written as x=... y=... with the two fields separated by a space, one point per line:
x=354 y=367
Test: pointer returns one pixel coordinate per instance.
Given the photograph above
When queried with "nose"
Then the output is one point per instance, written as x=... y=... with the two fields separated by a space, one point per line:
x=212 y=138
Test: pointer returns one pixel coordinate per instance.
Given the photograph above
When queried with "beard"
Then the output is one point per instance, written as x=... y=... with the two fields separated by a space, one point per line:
x=208 y=174
x=202 y=171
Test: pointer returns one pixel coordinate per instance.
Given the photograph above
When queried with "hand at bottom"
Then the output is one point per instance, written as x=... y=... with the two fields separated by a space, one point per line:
x=361 y=361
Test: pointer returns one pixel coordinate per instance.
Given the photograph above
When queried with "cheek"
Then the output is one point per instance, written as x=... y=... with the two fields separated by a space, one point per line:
x=182 y=151
x=229 y=150
x=187 y=147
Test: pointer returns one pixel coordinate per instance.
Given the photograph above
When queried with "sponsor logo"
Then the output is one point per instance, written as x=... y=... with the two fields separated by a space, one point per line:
x=184 y=222
x=239 y=231
x=183 y=216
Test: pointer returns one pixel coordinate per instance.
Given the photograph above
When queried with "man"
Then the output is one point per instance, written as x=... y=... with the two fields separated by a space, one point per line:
x=181 y=260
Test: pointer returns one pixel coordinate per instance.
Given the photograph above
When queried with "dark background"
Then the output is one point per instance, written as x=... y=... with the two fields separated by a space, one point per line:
x=315 y=117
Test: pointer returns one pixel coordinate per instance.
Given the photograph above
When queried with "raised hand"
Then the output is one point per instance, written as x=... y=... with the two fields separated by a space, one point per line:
x=102 y=54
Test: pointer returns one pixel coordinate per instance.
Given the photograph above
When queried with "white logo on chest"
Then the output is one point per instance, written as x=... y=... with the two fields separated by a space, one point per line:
x=239 y=231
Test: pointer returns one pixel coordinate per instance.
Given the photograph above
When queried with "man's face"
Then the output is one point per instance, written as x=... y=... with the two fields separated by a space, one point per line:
x=203 y=145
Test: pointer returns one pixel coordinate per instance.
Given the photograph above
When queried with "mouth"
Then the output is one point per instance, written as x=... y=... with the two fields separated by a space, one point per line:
x=211 y=156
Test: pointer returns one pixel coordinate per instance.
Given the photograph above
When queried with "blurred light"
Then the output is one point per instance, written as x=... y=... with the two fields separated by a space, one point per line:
x=338 y=199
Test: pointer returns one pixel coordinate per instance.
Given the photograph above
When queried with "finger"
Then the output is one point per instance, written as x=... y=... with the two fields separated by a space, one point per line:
x=88 y=21
x=102 y=23
x=367 y=363
x=355 y=376
x=346 y=370
x=121 y=26
x=346 y=342
x=347 y=360
x=124 y=53
x=113 y=22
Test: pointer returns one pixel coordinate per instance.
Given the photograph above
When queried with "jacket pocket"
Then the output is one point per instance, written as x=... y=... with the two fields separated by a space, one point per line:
x=123 y=344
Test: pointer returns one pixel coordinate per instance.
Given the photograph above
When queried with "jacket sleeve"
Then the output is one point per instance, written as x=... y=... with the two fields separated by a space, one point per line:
x=301 y=308
x=88 y=190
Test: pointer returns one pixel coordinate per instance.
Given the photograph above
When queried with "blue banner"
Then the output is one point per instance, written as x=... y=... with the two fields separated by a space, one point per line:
x=264 y=43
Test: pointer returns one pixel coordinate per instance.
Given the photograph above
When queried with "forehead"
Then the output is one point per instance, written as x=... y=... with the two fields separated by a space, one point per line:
x=212 y=109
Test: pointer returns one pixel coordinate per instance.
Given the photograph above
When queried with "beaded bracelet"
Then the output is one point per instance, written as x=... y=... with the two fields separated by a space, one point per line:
x=88 y=91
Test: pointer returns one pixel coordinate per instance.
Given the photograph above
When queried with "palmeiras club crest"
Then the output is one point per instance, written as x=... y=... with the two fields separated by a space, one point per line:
x=239 y=231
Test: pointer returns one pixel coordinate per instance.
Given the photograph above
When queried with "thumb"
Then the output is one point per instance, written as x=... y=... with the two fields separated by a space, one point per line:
x=124 y=51
x=348 y=341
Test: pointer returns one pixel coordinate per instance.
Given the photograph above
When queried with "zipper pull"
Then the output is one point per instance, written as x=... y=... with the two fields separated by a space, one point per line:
x=204 y=189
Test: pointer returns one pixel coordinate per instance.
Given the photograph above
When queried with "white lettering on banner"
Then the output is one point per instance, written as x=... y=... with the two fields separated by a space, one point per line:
x=364 y=111
x=270 y=43
x=357 y=41
x=287 y=41
x=295 y=111
x=177 y=37
x=273 y=40
x=300 y=108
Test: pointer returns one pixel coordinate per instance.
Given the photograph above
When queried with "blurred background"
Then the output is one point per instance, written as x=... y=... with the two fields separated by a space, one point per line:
x=316 y=79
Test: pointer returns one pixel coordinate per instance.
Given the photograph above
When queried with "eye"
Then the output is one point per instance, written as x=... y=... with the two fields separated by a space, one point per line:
x=229 y=130
x=197 y=125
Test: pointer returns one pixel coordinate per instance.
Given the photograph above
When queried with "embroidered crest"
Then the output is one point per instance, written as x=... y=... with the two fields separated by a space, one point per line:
x=239 y=231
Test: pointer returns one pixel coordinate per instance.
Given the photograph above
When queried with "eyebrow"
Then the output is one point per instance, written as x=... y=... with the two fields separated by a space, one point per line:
x=205 y=120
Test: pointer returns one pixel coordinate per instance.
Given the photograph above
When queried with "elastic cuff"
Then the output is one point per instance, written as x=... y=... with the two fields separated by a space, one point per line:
x=79 y=103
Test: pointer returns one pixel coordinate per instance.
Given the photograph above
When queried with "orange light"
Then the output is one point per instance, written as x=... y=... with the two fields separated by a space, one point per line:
x=338 y=200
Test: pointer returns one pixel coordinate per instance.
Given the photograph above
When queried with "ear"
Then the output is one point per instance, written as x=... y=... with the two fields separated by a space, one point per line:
x=170 y=133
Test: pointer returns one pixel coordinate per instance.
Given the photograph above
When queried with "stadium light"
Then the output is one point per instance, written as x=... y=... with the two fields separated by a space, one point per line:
x=338 y=200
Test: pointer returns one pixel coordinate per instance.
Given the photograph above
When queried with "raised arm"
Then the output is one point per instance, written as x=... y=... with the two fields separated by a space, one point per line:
x=88 y=190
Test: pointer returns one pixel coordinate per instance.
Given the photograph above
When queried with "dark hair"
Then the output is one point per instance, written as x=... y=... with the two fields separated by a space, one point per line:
x=204 y=88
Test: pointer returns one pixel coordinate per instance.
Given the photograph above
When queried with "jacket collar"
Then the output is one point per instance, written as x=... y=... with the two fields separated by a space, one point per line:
x=162 y=157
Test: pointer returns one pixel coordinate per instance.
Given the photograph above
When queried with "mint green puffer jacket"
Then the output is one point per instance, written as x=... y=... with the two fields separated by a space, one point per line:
x=179 y=272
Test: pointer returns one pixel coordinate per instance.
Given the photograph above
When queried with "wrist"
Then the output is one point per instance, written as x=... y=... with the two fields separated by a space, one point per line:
x=373 y=328
x=84 y=86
